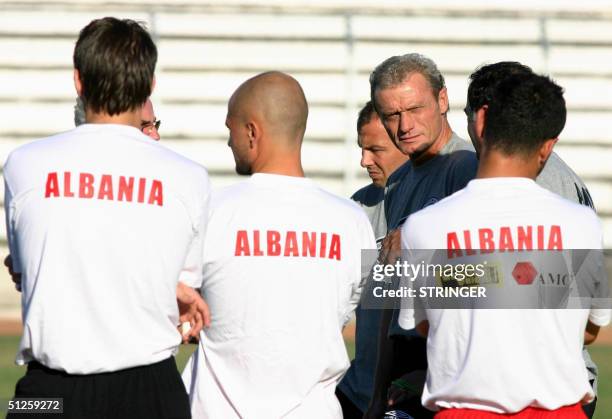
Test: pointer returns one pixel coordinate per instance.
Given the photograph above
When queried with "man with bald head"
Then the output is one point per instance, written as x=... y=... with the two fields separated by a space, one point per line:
x=273 y=102
x=282 y=271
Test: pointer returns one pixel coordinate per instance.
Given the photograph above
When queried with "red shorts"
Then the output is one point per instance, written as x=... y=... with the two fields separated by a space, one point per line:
x=565 y=412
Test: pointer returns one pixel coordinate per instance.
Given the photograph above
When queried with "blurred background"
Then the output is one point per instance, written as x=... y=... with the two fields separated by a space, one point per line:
x=207 y=48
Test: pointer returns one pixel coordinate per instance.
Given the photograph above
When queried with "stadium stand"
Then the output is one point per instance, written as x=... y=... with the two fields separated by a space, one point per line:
x=206 y=49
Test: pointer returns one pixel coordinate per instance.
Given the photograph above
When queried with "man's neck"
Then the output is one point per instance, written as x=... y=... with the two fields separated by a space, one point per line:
x=445 y=135
x=285 y=168
x=131 y=118
x=278 y=158
x=496 y=164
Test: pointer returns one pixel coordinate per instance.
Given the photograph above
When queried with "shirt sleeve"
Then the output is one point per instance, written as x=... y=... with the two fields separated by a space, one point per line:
x=593 y=276
x=600 y=316
x=9 y=212
x=192 y=272
x=414 y=312
x=363 y=268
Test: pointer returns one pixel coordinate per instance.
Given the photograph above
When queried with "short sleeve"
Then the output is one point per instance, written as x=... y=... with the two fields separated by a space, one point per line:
x=9 y=212
x=192 y=272
x=363 y=268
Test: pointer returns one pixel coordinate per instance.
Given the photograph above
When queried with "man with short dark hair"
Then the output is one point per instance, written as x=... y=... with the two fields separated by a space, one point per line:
x=381 y=158
x=525 y=115
x=556 y=175
x=106 y=229
x=149 y=124
x=410 y=96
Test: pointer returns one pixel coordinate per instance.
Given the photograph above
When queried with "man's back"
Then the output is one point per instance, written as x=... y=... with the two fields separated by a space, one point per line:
x=102 y=211
x=282 y=274
x=515 y=344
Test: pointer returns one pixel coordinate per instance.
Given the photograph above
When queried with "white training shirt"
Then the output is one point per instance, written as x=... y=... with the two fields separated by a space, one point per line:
x=281 y=276
x=101 y=223
x=503 y=360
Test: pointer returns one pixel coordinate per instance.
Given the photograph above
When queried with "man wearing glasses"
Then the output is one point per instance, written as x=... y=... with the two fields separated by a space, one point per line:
x=149 y=124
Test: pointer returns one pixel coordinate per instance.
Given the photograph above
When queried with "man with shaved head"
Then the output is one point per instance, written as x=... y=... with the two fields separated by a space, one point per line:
x=273 y=102
x=282 y=271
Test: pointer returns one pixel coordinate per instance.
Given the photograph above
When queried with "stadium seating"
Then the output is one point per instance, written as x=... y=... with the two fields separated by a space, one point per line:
x=206 y=51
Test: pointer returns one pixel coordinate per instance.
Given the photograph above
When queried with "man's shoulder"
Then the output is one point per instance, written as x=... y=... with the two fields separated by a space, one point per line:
x=556 y=166
x=25 y=154
x=459 y=152
x=399 y=174
x=561 y=205
x=231 y=194
x=559 y=178
x=369 y=195
x=438 y=211
x=345 y=205
x=456 y=143
x=248 y=192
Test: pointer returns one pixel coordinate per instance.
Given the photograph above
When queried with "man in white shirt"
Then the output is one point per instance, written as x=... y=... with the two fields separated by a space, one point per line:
x=556 y=176
x=487 y=364
x=282 y=271
x=102 y=223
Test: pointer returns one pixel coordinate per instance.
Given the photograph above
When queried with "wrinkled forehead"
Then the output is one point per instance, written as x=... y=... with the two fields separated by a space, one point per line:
x=414 y=88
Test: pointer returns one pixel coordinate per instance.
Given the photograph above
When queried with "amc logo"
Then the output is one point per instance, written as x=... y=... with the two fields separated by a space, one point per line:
x=524 y=273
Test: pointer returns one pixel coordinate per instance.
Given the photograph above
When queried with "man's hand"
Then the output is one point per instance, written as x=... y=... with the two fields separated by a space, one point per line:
x=391 y=247
x=406 y=388
x=16 y=277
x=590 y=333
x=192 y=309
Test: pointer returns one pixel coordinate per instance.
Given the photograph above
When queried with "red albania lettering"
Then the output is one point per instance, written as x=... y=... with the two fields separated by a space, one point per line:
x=524 y=273
x=504 y=239
x=104 y=187
x=288 y=244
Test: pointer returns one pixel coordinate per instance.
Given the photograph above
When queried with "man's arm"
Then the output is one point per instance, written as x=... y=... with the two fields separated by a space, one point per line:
x=193 y=310
x=423 y=328
x=16 y=277
x=12 y=263
x=590 y=333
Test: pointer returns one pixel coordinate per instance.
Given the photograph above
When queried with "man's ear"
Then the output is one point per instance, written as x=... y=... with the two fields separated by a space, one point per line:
x=78 y=86
x=254 y=134
x=443 y=100
x=545 y=150
x=480 y=122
